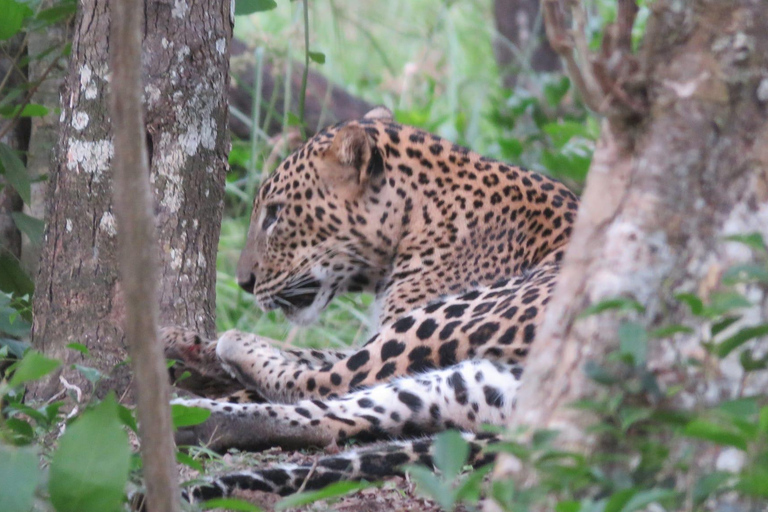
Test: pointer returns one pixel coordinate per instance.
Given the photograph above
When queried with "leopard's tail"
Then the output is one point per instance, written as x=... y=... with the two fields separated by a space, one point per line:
x=371 y=463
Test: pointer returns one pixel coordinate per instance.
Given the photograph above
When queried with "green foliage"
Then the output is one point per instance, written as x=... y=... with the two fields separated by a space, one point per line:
x=334 y=490
x=251 y=6
x=447 y=488
x=90 y=467
x=184 y=416
x=230 y=504
x=19 y=477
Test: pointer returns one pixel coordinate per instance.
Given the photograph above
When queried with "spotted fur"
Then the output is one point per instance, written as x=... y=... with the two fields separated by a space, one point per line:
x=462 y=253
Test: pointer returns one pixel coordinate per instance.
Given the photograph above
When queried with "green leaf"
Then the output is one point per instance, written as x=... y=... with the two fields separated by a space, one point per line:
x=243 y=7
x=723 y=324
x=331 y=491
x=620 y=498
x=742 y=408
x=555 y=91
x=28 y=110
x=750 y=364
x=19 y=476
x=15 y=171
x=12 y=324
x=568 y=506
x=718 y=434
x=230 y=504
x=59 y=11
x=184 y=416
x=431 y=486
x=32 y=367
x=30 y=226
x=670 y=330
x=724 y=302
x=470 y=488
x=620 y=303
x=22 y=430
x=599 y=374
x=13 y=278
x=762 y=422
x=127 y=418
x=744 y=335
x=644 y=498
x=450 y=453
x=707 y=484
x=183 y=458
x=746 y=273
x=692 y=301
x=90 y=468
x=14 y=14
x=318 y=57
x=80 y=348
x=631 y=415
x=15 y=347
x=563 y=131
x=754 y=482
x=753 y=240
x=633 y=342
x=92 y=375
x=511 y=148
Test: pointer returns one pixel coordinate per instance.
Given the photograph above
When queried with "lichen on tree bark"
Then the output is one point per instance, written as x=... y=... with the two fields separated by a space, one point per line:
x=78 y=296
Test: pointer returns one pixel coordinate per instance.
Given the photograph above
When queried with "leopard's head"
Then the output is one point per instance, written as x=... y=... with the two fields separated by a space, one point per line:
x=316 y=226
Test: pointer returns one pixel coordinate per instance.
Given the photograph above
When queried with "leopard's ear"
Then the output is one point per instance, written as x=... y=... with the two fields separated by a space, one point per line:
x=351 y=147
x=351 y=161
x=381 y=113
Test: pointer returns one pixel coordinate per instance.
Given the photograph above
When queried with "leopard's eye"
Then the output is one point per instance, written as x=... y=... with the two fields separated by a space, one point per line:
x=270 y=214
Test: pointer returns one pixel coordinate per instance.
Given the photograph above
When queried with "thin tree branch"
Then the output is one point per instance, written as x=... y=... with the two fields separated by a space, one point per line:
x=137 y=256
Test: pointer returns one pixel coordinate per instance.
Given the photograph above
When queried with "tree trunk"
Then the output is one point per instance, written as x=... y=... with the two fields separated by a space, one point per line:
x=78 y=297
x=521 y=44
x=665 y=189
x=44 y=130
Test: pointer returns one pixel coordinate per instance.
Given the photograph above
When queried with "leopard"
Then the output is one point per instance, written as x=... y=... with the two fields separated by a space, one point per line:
x=462 y=254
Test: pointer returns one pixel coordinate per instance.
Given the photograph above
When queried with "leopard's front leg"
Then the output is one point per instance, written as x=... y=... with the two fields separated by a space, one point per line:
x=496 y=323
x=211 y=377
x=462 y=396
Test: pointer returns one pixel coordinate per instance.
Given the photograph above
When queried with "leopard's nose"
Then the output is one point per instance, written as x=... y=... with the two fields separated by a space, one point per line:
x=247 y=282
